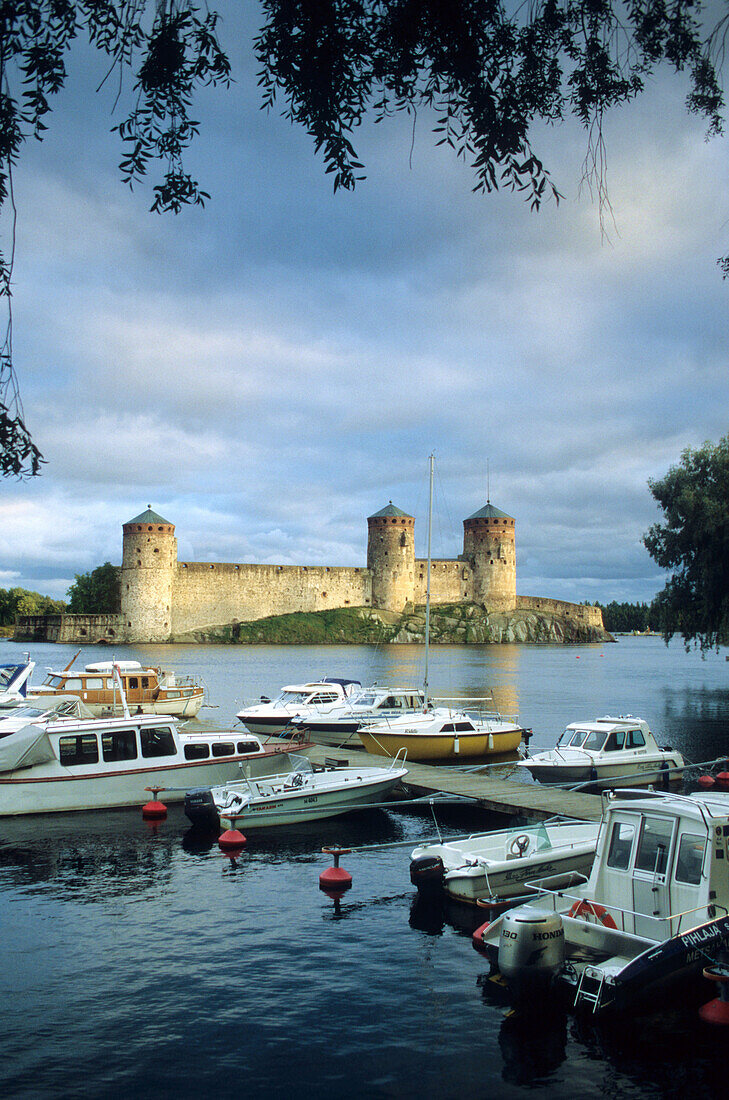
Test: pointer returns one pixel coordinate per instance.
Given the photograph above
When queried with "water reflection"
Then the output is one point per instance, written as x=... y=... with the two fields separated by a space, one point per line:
x=86 y=855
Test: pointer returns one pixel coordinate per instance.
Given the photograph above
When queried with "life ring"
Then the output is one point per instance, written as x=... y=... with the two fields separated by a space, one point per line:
x=519 y=845
x=585 y=908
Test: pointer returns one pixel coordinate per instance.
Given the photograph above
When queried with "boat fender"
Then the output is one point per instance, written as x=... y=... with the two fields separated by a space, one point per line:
x=665 y=776
x=593 y=774
x=722 y=779
x=477 y=937
x=586 y=908
x=706 y=782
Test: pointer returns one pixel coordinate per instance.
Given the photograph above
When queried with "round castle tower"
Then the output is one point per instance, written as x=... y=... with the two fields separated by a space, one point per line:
x=490 y=546
x=391 y=557
x=149 y=558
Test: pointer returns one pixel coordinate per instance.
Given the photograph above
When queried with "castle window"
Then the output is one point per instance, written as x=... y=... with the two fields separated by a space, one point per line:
x=346 y=601
x=160 y=528
x=150 y=528
x=139 y=562
x=110 y=633
x=323 y=595
x=212 y=566
x=403 y=540
x=156 y=549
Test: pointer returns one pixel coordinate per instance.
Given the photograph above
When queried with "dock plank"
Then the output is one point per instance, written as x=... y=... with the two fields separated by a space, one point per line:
x=494 y=793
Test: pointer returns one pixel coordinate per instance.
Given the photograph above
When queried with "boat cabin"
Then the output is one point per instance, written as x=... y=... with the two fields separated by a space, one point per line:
x=662 y=864
x=607 y=735
x=147 y=688
x=318 y=694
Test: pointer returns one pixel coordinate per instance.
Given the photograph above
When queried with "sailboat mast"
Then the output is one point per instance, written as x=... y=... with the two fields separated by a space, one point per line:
x=427 y=586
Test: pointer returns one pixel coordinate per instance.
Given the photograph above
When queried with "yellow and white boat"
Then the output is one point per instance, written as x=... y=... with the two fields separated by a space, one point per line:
x=442 y=734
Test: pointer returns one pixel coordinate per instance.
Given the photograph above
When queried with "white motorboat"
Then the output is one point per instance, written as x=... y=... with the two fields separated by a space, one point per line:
x=14 y=680
x=497 y=865
x=296 y=701
x=609 y=752
x=305 y=794
x=63 y=758
x=147 y=690
x=339 y=724
x=655 y=908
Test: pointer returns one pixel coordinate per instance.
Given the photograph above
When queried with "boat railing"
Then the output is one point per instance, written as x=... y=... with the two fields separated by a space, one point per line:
x=669 y=923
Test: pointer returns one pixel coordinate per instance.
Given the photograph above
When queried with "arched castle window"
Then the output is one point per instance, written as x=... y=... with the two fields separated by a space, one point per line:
x=403 y=539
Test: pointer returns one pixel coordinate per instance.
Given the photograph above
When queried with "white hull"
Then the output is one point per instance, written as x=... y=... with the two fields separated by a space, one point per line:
x=117 y=788
x=310 y=803
x=633 y=774
x=497 y=865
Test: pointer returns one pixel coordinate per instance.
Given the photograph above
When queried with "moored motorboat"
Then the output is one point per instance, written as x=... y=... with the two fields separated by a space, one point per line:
x=297 y=701
x=64 y=758
x=442 y=734
x=497 y=865
x=147 y=690
x=338 y=725
x=305 y=794
x=655 y=908
x=607 y=752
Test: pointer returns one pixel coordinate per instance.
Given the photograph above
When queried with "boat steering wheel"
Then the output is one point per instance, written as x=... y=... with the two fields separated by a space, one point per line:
x=519 y=845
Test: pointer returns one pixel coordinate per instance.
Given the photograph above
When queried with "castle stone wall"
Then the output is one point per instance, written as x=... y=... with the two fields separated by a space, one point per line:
x=450 y=581
x=205 y=594
x=70 y=629
x=582 y=613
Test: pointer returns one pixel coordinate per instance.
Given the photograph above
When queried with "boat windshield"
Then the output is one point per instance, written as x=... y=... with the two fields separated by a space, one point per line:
x=301 y=764
x=7 y=672
x=365 y=700
x=592 y=740
x=293 y=696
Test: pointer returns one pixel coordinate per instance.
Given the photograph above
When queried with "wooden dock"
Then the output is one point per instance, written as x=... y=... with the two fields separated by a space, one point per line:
x=488 y=790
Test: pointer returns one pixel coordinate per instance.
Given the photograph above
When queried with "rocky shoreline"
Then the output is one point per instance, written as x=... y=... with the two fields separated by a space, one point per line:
x=450 y=624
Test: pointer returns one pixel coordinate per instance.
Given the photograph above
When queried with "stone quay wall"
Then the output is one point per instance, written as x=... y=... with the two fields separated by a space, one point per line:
x=70 y=629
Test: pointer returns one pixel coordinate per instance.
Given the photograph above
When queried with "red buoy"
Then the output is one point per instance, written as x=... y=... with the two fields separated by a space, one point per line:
x=477 y=937
x=722 y=779
x=232 y=840
x=154 y=811
x=706 y=781
x=335 y=881
x=717 y=1011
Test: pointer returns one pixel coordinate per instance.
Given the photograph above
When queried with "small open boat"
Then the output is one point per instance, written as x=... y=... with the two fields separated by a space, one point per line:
x=496 y=865
x=608 y=752
x=304 y=794
x=655 y=908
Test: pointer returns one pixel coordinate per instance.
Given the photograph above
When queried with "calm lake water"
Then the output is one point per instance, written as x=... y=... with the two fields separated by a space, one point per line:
x=139 y=961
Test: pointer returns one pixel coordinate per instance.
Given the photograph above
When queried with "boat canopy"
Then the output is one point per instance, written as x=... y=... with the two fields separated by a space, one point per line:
x=26 y=746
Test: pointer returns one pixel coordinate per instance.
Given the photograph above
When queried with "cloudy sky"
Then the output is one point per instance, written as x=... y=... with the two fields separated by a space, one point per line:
x=271 y=370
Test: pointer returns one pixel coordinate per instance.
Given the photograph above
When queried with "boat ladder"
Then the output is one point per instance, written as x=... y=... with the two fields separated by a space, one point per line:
x=589 y=989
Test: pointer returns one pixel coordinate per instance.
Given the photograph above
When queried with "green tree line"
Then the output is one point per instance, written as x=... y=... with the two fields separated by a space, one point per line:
x=19 y=601
x=622 y=618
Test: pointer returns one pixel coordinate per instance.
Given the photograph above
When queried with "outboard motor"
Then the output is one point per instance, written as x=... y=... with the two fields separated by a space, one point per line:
x=531 y=948
x=201 y=809
x=427 y=874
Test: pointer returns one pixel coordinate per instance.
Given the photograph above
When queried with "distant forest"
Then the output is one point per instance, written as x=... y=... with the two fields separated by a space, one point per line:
x=621 y=618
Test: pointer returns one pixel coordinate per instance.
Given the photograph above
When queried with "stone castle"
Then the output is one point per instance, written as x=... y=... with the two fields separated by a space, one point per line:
x=164 y=600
